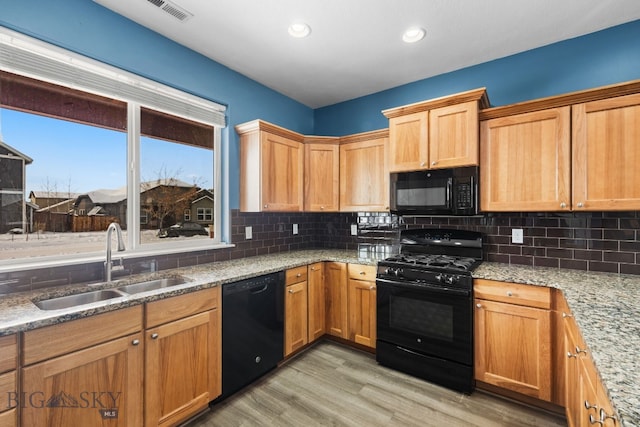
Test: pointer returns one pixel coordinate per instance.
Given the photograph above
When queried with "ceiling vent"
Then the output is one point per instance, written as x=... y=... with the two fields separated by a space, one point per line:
x=172 y=9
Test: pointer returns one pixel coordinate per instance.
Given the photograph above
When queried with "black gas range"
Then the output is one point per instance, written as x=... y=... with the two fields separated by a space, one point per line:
x=425 y=306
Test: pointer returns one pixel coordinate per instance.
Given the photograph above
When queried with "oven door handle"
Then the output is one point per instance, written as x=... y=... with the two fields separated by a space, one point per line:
x=423 y=287
x=406 y=350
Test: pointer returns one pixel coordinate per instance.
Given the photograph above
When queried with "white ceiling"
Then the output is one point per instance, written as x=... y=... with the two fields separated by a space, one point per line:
x=355 y=46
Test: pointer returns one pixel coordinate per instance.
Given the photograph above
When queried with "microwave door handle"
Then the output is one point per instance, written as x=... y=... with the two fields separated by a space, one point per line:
x=449 y=185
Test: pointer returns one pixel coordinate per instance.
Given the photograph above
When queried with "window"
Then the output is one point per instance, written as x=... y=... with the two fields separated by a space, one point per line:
x=69 y=150
x=205 y=214
x=187 y=215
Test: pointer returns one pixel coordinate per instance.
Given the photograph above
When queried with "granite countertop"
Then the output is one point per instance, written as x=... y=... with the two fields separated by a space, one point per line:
x=606 y=307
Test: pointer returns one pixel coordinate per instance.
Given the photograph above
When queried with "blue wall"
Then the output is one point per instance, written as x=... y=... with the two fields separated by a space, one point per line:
x=601 y=58
x=597 y=59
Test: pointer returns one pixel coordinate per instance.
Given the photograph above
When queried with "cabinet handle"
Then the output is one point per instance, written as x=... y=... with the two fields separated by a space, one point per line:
x=580 y=204
x=321 y=208
x=154 y=336
x=298 y=275
x=569 y=355
x=422 y=164
x=604 y=416
x=588 y=405
x=509 y=293
x=135 y=342
x=563 y=205
x=362 y=273
x=291 y=291
x=564 y=315
x=371 y=288
x=266 y=206
x=579 y=350
x=593 y=420
x=479 y=305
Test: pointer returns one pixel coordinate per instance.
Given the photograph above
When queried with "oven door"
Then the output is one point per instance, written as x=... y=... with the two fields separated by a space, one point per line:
x=430 y=321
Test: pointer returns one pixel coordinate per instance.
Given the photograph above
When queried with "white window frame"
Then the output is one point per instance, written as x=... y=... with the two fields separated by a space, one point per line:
x=40 y=60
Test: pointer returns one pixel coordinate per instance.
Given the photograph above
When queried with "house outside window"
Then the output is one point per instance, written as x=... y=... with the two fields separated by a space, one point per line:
x=205 y=214
x=187 y=215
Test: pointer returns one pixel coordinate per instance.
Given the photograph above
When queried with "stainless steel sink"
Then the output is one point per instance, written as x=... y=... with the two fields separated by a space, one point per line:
x=77 y=299
x=152 y=285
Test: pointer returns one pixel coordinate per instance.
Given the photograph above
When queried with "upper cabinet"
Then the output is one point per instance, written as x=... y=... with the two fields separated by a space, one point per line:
x=526 y=162
x=364 y=174
x=321 y=174
x=570 y=152
x=434 y=134
x=606 y=150
x=271 y=168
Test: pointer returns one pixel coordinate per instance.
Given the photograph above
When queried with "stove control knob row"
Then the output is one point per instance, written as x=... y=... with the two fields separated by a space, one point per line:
x=449 y=279
x=394 y=271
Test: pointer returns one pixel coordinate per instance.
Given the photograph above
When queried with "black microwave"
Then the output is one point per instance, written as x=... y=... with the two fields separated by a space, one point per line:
x=435 y=192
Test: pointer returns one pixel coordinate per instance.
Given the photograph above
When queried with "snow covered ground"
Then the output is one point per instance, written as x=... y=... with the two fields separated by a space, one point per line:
x=15 y=246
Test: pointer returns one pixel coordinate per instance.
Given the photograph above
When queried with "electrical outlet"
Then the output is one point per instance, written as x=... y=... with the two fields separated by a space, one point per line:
x=248 y=233
x=517 y=235
x=354 y=229
x=295 y=228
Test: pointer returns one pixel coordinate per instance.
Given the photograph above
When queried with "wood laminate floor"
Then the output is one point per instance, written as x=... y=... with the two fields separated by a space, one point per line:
x=333 y=385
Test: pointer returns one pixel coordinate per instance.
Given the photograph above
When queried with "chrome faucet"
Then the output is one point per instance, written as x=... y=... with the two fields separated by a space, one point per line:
x=108 y=265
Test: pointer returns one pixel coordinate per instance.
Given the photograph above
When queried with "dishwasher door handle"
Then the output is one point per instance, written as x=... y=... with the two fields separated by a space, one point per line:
x=260 y=290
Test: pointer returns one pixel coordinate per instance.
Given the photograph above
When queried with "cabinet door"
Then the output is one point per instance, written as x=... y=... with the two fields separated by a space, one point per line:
x=182 y=370
x=364 y=177
x=362 y=312
x=317 y=305
x=101 y=385
x=572 y=376
x=525 y=162
x=453 y=135
x=335 y=281
x=295 y=318
x=408 y=142
x=513 y=347
x=322 y=178
x=282 y=173
x=606 y=153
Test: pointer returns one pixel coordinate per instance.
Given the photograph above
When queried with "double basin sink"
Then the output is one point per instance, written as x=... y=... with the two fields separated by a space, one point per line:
x=107 y=294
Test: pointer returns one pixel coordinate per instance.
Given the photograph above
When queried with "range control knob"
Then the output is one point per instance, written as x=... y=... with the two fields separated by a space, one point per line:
x=440 y=277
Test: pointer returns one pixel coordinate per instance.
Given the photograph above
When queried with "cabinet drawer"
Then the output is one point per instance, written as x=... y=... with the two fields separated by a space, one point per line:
x=362 y=272
x=51 y=341
x=8 y=353
x=173 y=308
x=7 y=388
x=513 y=293
x=295 y=275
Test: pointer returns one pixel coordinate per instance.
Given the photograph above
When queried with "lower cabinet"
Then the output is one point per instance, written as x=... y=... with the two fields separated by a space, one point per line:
x=183 y=356
x=586 y=400
x=513 y=337
x=295 y=310
x=95 y=378
x=335 y=281
x=316 y=301
x=8 y=381
x=361 y=297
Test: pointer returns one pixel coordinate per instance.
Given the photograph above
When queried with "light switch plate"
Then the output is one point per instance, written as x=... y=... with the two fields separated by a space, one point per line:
x=248 y=233
x=517 y=235
x=354 y=229
x=295 y=228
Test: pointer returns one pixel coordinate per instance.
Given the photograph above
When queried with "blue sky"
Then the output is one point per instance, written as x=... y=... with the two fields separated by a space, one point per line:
x=78 y=158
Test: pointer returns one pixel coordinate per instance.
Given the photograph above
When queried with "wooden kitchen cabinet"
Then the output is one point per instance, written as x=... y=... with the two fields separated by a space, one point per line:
x=271 y=168
x=95 y=378
x=335 y=280
x=605 y=154
x=362 y=304
x=586 y=400
x=9 y=380
x=526 y=162
x=183 y=356
x=437 y=133
x=513 y=337
x=316 y=301
x=321 y=174
x=296 y=333
x=364 y=175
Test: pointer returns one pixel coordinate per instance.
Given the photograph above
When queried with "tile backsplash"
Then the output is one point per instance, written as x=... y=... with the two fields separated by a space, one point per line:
x=596 y=241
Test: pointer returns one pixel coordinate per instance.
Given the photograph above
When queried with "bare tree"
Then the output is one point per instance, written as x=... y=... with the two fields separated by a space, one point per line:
x=166 y=197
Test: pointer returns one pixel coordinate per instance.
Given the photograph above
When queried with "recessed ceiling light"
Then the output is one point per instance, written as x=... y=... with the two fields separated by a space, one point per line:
x=413 y=34
x=299 y=30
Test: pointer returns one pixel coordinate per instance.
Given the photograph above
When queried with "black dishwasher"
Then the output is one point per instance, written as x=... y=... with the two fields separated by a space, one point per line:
x=252 y=329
